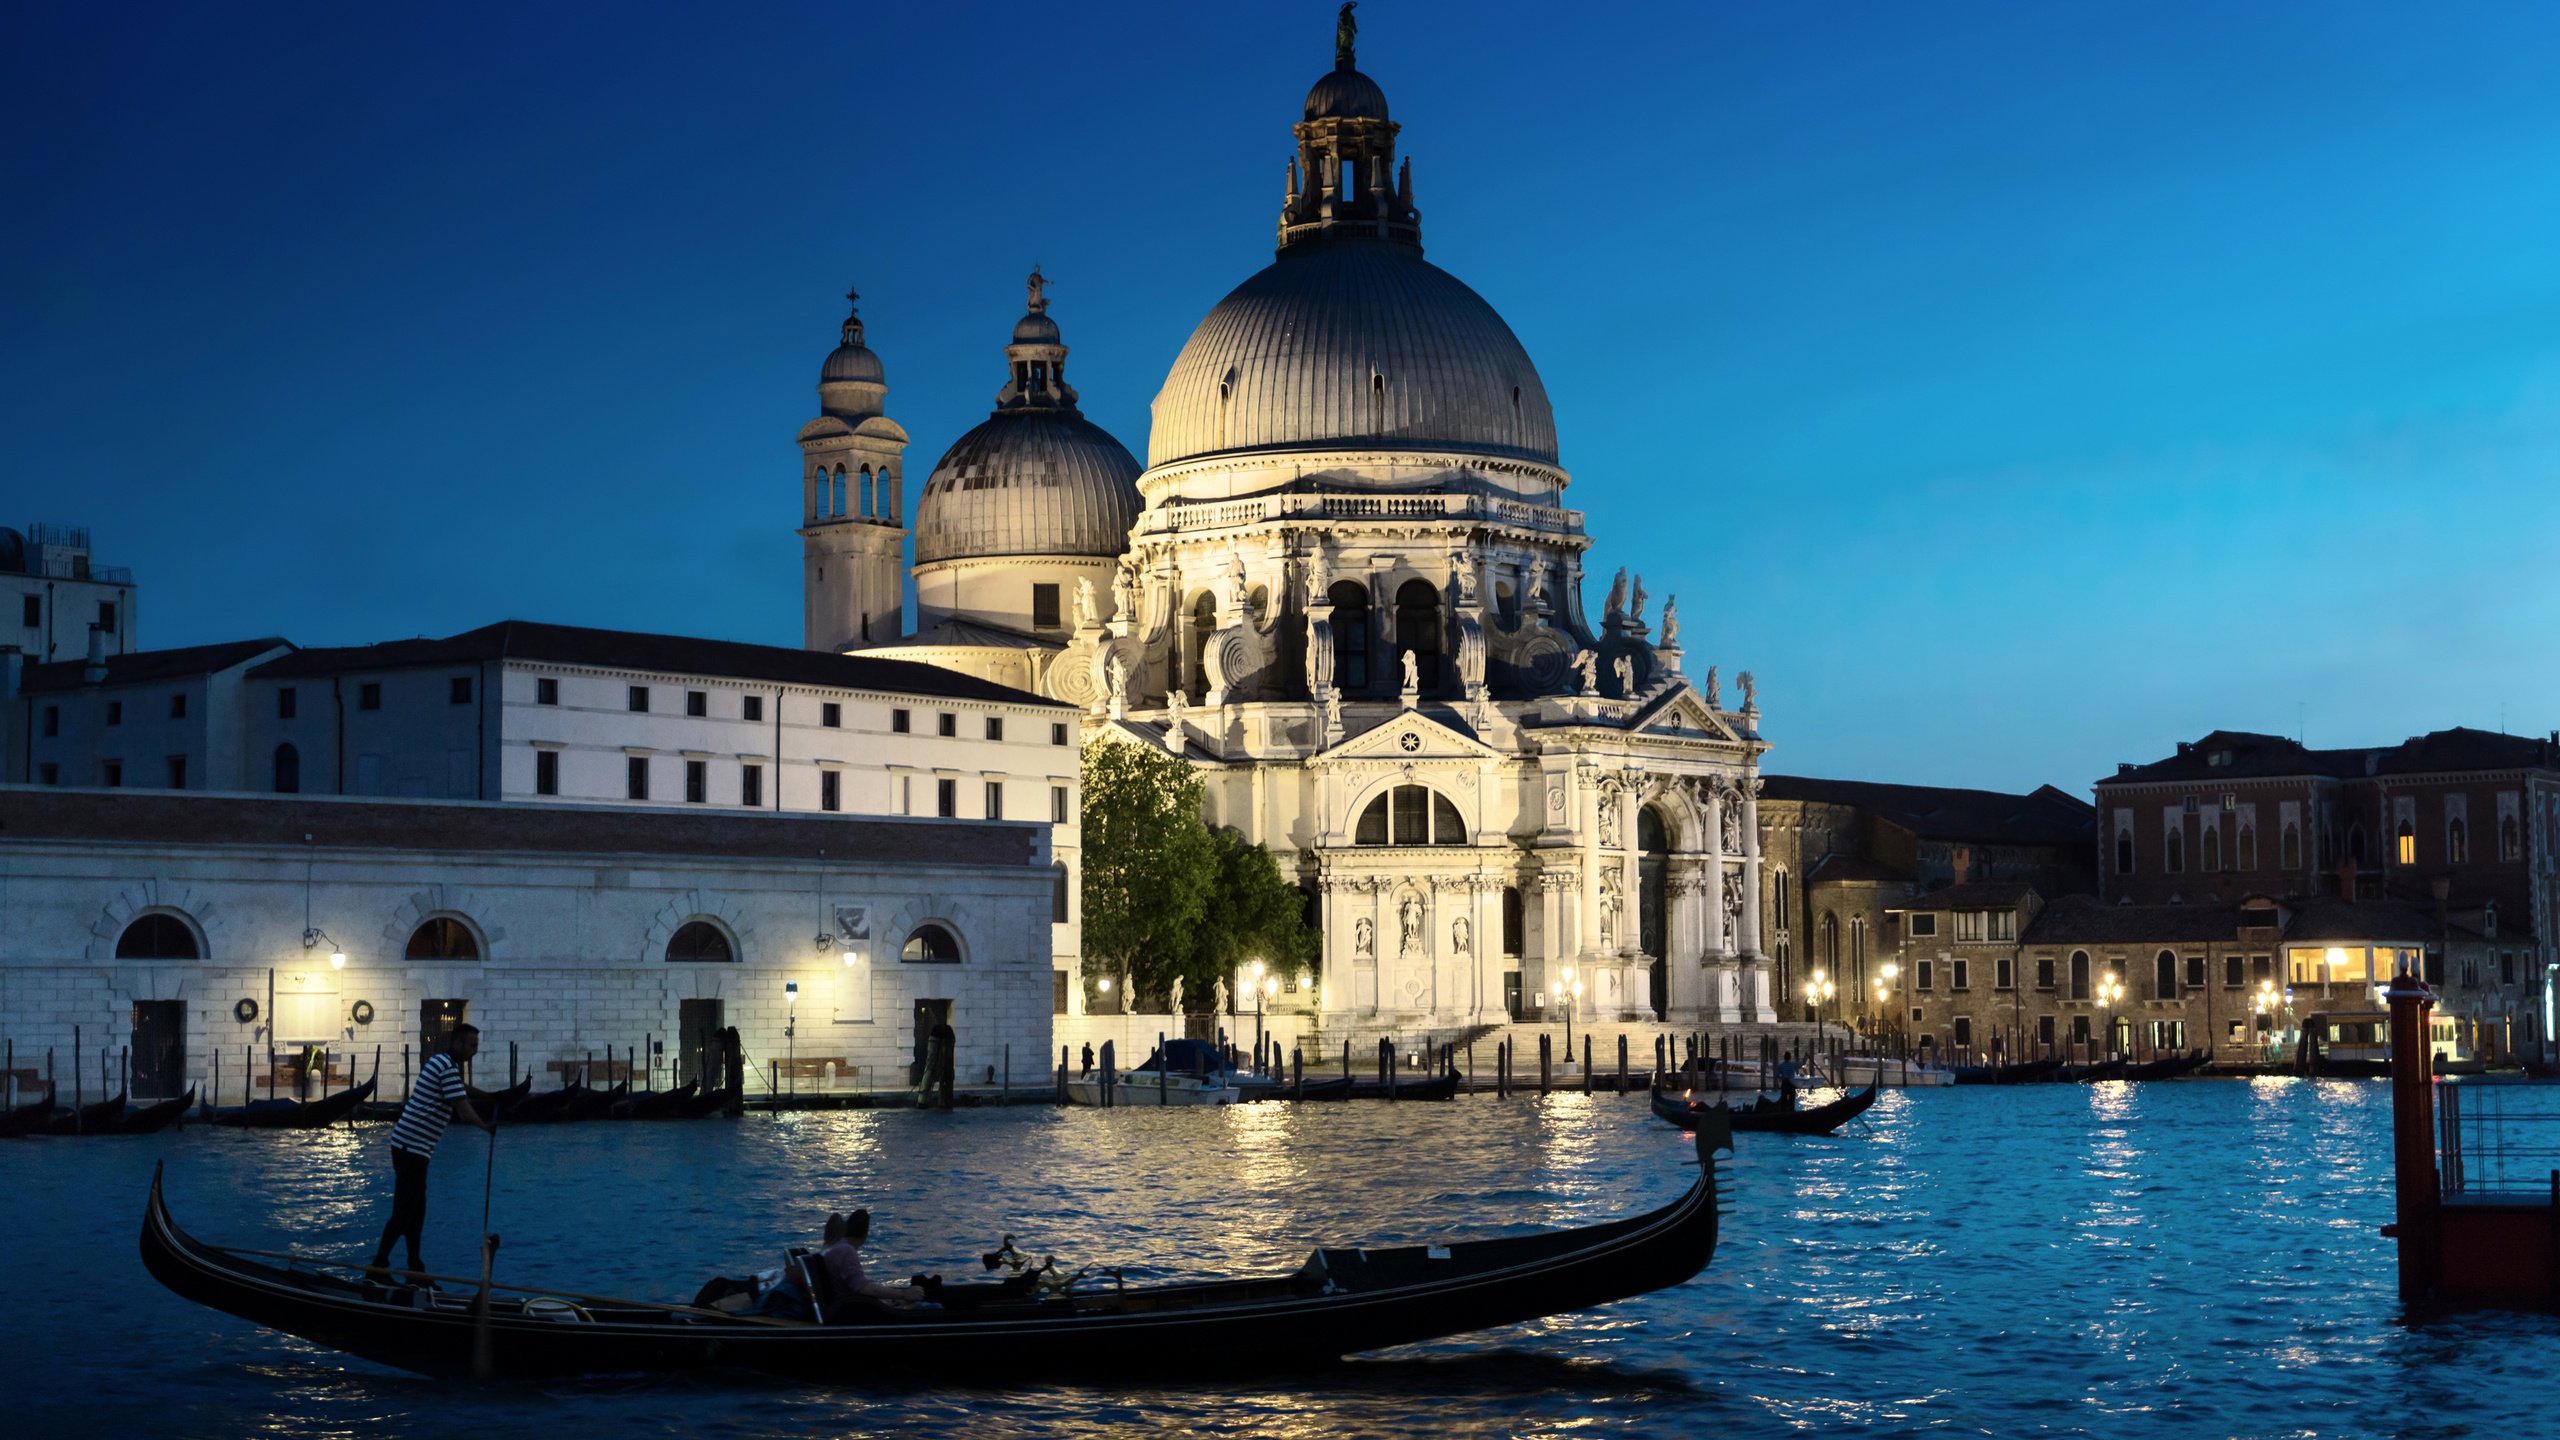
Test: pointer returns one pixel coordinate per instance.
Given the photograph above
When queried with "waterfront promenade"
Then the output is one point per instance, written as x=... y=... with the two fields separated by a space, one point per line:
x=2195 y=1258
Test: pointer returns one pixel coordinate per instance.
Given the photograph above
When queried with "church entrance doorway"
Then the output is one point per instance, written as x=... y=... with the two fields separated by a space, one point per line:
x=1652 y=856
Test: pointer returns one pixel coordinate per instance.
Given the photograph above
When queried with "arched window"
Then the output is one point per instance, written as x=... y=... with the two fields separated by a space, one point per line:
x=1350 y=637
x=835 y=493
x=1204 y=623
x=2510 y=839
x=2457 y=842
x=2292 y=847
x=1858 y=947
x=2247 y=848
x=1058 y=893
x=443 y=938
x=1410 y=815
x=288 y=770
x=2212 y=848
x=2176 y=855
x=1830 y=940
x=2164 y=975
x=699 y=941
x=2079 y=974
x=1779 y=908
x=1418 y=630
x=930 y=945
x=2406 y=848
x=158 y=936
x=1512 y=920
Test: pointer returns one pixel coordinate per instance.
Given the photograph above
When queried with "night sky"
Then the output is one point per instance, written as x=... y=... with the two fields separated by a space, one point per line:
x=2017 y=389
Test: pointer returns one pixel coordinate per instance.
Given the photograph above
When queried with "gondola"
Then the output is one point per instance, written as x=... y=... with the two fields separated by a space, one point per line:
x=493 y=1103
x=658 y=1104
x=2095 y=1070
x=1337 y=1088
x=105 y=1117
x=723 y=1101
x=543 y=1107
x=1766 y=1115
x=154 y=1118
x=1340 y=1302
x=2169 y=1069
x=294 y=1114
x=594 y=1104
x=29 y=1119
x=2022 y=1072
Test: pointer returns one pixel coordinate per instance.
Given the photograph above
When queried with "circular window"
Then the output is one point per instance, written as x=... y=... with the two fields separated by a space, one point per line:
x=931 y=945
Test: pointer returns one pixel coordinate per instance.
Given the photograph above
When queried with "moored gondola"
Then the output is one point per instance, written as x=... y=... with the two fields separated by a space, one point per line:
x=294 y=1114
x=2095 y=1070
x=2169 y=1069
x=658 y=1104
x=1765 y=1115
x=153 y=1118
x=2021 y=1072
x=1341 y=1302
x=105 y=1117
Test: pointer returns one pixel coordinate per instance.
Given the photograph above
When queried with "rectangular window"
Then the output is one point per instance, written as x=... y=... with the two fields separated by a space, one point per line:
x=1058 y=733
x=1057 y=804
x=115 y=712
x=2004 y=924
x=2506 y=967
x=111 y=773
x=638 y=699
x=1969 y=925
x=697 y=703
x=458 y=690
x=1057 y=894
x=1924 y=925
x=1925 y=973
x=636 y=782
x=830 y=789
x=2044 y=1031
x=831 y=716
x=177 y=772
x=751 y=785
x=751 y=708
x=546 y=691
x=546 y=772
x=2004 y=975
x=2044 y=973
x=369 y=695
x=178 y=706
x=2195 y=972
x=52 y=720
x=906 y=794
x=995 y=799
x=948 y=724
x=995 y=727
x=31 y=610
x=287 y=702
x=1964 y=1030
x=900 y=722
x=106 y=617
x=1959 y=975
x=1044 y=607
x=2232 y=965
x=697 y=781
x=946 y=798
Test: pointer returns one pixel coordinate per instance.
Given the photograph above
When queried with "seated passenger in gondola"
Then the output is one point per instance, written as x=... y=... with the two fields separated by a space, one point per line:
x=842 y=1261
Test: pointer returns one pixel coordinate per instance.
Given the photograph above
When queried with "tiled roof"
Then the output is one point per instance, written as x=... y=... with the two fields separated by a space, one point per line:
x=1853 y=869
x=143 y=667
x=41 y=812
x=2044 y=816
x=2248 y=756
x=2085 y=920
x=671 y=654
x=1979 y=895
x=2327 y=917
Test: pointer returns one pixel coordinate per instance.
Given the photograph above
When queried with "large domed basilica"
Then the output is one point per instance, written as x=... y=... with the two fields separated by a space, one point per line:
x=1348 y=589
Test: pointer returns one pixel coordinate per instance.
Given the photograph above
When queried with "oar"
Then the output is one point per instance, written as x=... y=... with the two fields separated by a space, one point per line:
x=483 y=1363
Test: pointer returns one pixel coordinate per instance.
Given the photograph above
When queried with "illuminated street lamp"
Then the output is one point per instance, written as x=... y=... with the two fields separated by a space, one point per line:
x=1884 y=996
x=1818 y=990
x=791 y=1030
x=2110 y=991
x=1566 y=991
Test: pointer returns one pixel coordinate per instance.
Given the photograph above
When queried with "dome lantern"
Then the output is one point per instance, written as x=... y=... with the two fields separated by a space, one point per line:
x=852 y=385
x=1344 y=183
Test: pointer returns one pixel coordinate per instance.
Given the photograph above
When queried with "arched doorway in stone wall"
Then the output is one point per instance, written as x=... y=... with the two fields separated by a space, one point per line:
x=1653 y=849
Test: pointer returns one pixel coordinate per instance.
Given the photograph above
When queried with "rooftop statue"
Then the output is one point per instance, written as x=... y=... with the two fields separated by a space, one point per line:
x=1617 y=596
x=1715 y=701
x=1635 y=604
x=1670 y=620
x=1036 y=284
x=1346 y=31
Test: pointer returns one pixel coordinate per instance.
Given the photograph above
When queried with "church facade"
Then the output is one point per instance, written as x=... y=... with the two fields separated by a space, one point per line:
x=1349 y=588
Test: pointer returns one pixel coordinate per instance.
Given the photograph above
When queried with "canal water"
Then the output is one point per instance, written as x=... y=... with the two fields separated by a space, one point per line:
x=2196 y=1258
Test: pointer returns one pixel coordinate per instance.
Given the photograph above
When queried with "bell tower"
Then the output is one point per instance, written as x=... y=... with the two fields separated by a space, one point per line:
x=853 y=511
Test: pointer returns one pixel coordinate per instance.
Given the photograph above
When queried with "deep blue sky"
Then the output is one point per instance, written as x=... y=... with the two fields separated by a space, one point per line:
x=2017 y=389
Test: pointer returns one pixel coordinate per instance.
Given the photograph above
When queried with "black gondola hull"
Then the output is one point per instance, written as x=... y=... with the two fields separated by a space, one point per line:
x=1379 y=1298
x=1767 y=1117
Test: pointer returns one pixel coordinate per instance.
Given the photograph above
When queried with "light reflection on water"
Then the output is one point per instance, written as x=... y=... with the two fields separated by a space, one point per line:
x=2120 y=1259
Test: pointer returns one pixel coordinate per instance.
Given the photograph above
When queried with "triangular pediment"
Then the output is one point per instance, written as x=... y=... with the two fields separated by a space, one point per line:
x=1686 y=714
x=1410 y=736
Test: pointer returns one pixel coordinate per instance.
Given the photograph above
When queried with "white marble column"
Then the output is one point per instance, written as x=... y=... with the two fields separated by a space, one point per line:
x=1716 y=943
x=1630 y=881
x=1751 y=866
x=1587 y=922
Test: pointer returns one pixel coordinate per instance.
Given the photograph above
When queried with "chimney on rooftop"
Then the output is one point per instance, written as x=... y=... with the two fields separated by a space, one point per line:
x=95 y=671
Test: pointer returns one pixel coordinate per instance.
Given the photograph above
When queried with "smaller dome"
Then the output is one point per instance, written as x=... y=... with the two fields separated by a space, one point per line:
x=1346 y=94
x=1029 y=482
x=853 y=361
x=1035 y=330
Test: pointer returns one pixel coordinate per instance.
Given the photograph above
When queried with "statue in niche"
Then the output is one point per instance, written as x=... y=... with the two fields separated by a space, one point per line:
x=1364 y=937
x=1635 y=604
x=1715 y=697
x=1173 y=1004
x=1733 y=908
x=1124 y=592
x=1586 y=677
x=1409 y=925
x=1319 y=578
x=1087 y=607
x=1612 y=900
x=1670 y=620
x=1609 y=821
x=1537 y=587
x=1463 y=570
x=1624 y=667
x=1412 y=673
x=1617 y=596
x=1235 y=579
x=1461 y=936
x=1750 y=692
x=1732 y=825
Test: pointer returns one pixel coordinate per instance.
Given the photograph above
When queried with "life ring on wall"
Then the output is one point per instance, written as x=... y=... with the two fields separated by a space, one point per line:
x=361 y=1012
x=245 y=1011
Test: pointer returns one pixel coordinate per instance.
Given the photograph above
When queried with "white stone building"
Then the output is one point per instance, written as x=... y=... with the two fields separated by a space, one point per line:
x=1350 y=590
x=198 y=930
x=53 y=595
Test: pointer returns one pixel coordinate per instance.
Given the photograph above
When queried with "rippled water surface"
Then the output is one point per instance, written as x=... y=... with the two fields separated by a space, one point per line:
x=2196 y=1258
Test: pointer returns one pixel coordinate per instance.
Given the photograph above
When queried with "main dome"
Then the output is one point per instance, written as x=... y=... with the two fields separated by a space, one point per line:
x=1352 y=343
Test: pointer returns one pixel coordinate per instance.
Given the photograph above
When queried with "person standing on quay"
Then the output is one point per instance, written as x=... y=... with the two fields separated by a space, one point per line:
x=940 y=1041
x=433 y=1102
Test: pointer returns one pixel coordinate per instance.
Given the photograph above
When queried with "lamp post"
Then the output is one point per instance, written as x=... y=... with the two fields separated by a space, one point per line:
x=1817 y=990
x=2110 y=991
x=1253 y=982
x=1892 y=1018
x=1566 y=991
x=791 y=1031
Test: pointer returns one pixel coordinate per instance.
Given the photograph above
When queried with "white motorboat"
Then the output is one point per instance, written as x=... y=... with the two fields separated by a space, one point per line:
x=1858 y=1070
x=1149 y=1087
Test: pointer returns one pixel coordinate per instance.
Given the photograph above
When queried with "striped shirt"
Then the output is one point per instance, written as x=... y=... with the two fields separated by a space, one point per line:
x=430 y=1106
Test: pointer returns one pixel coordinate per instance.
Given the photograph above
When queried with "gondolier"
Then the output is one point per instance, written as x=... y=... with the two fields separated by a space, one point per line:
x=433 y=1102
